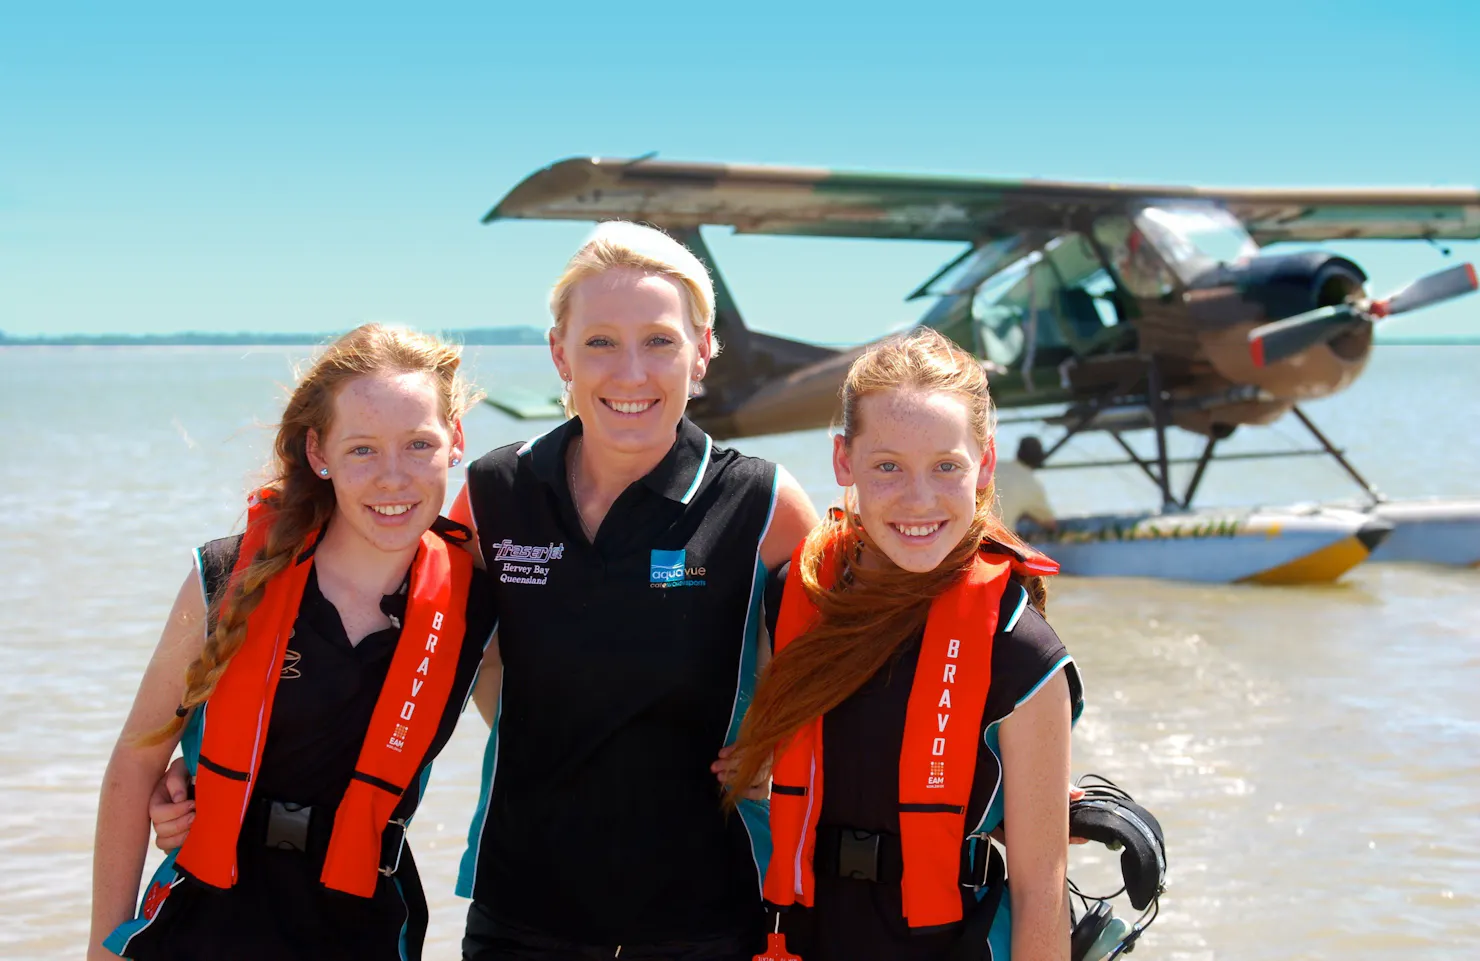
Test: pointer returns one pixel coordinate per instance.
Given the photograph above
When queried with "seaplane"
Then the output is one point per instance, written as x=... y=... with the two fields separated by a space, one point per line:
x=1104 y=308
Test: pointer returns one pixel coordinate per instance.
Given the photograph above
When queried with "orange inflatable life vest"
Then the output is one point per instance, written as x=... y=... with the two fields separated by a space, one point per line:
x=937 y=763
x=402 y=727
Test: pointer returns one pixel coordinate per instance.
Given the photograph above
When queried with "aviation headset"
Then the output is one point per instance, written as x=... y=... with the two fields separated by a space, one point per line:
x=1107 y=814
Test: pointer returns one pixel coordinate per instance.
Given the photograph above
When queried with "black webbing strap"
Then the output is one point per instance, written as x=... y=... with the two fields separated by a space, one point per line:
x=972 y=944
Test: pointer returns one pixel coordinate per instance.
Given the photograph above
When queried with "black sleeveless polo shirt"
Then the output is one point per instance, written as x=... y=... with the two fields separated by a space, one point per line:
x=628 y=663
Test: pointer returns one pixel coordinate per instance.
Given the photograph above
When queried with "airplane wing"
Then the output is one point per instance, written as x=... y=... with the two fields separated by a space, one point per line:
x=828 y=203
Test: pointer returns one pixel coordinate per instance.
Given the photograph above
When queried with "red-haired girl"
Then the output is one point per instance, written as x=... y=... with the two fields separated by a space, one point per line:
x=916 y=680
x=314 y=666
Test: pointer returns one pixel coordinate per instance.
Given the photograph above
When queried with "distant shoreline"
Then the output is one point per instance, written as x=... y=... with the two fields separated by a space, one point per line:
x=472 y=337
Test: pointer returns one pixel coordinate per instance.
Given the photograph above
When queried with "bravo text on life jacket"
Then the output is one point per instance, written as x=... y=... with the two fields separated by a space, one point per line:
x=397 y=740
x=943 y=717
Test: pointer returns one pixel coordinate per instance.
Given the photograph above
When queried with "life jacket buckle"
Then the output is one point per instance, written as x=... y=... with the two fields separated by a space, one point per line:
x=287 y=826
x=858 y=854
x=400 y=825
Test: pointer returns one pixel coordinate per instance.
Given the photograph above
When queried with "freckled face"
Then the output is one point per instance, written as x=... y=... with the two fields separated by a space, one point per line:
x=916 y=468
x=387 y=452
x=631 y=355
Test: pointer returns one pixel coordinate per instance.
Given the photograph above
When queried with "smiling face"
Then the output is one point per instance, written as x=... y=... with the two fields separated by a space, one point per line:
x=387 y=451
x=916 y=467
x=630 y=354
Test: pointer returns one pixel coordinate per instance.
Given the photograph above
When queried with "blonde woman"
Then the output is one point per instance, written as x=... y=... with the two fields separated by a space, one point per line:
x=627 y=554
x=314 y=666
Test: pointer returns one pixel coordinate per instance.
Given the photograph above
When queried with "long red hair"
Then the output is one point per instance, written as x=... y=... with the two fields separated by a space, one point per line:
x=303 y=501
x=876 y=608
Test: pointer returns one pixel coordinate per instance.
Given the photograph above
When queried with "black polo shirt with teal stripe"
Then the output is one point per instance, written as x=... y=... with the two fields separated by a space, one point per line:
x=628 y=663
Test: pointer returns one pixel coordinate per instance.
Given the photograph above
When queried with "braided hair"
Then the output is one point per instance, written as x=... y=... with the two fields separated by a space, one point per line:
x=301 y=502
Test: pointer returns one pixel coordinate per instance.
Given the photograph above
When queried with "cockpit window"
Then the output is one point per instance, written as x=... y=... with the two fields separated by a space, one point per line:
x=1055 y=303
x=1195 y=237
x=1134 y=256
x=977 y=265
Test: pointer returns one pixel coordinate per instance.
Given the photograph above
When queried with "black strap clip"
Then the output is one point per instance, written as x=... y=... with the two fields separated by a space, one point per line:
x=392 y=843
x=982 y=865
x=858 y=854
x=287 y=826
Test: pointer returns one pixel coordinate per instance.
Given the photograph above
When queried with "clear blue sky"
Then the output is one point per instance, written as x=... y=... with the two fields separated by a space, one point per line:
x=168 y=167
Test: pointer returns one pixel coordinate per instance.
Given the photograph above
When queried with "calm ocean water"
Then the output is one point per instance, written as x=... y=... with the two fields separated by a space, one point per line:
x=1313 y=753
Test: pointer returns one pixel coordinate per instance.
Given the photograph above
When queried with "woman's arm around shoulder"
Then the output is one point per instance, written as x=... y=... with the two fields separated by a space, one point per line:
x=490 y=680
x=133 y=769
x=1035 y=768
x=793 y=518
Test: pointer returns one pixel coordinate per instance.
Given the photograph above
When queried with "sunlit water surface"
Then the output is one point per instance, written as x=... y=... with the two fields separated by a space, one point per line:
x=1314 y=754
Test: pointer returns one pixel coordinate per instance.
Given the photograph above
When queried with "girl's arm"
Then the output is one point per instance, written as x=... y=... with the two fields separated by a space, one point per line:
x=792 y=519
x=1035 y=768
x=123 y=804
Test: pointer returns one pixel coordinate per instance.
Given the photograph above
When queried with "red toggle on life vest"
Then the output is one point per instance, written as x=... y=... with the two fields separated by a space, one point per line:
x=937 y=763
x=405 y=720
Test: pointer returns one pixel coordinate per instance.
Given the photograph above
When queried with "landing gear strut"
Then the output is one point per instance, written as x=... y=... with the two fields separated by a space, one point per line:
x=1153 y=410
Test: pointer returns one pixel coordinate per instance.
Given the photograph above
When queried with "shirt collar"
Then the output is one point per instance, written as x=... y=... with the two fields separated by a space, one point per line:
x=676 y=477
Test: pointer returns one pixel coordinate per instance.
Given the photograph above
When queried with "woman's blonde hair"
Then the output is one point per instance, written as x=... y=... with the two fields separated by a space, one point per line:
x=303 y=501
x=617 y=244
x=860 y=626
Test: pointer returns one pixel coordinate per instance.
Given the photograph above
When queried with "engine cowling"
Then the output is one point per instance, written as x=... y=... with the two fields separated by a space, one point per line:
x=1283 y=286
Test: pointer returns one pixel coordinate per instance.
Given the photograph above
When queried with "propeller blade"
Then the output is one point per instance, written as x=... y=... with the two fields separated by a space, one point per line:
x=1427 y=291
x=1282 y=339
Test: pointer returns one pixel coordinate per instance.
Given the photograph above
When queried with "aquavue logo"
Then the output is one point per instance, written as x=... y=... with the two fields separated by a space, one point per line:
x=526 y=565
x=670 y=569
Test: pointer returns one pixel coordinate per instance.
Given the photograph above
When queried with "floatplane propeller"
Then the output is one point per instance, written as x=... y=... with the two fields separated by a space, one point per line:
x=1283 y=339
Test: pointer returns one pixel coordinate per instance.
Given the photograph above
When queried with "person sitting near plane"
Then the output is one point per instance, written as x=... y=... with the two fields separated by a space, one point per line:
x=1020 y=494
x=916 y=679
x=341 y=637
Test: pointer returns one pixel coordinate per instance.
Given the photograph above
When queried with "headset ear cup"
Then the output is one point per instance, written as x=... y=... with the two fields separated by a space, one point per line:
x=1087 y=930
x=1143 y=848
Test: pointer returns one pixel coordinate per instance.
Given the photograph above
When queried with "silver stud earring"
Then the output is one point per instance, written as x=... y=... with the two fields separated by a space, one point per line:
x=323 y=472
x=456 y=461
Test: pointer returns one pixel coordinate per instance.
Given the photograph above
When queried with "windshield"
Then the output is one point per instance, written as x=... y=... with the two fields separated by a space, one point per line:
x=1051 y=303
x=978 y=265
x=1194 y=237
